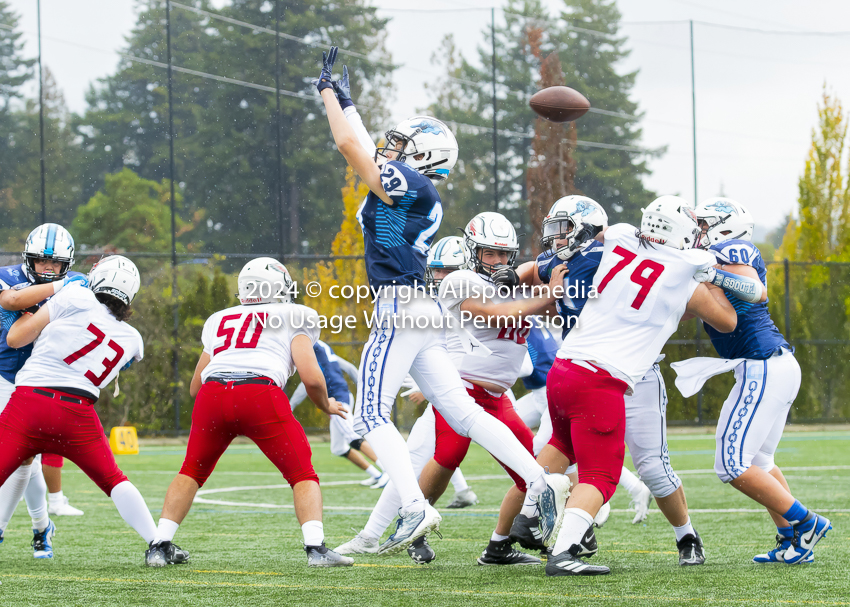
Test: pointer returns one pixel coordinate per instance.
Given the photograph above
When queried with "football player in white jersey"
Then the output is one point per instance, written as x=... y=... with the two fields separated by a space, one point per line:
x=400 y=216
x=250 y=351
x=645 y=284
x=81 y=343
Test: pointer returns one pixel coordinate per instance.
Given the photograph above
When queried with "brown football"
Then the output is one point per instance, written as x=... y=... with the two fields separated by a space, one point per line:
x=559 y=104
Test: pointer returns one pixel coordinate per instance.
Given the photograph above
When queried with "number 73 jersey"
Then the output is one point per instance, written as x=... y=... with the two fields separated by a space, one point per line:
x=82 y=347
x=642 y=295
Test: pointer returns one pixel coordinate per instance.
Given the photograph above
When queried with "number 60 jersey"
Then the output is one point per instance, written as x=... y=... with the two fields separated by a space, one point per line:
x=82 y=347
x=642 y=295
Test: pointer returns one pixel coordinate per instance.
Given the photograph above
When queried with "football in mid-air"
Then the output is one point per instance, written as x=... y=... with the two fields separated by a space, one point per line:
x=559 y=104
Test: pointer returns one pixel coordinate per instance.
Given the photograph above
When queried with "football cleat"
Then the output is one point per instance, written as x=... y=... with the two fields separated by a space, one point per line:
x=526 y=531
x=568 y=563
x=551 y=504
x=502 y=553
x=691 y=551
x=420 y=551
x=63 y=508
x=359 y=545
x=640 y=503
x=587 y=545
x=410 y=527
x=806 y=534
x=777 y=555
x=320 y=556
x=161 y=554
x=602 y=516
x=463 y=499
x=42 y=542
x=381 y=482
x=368 y=482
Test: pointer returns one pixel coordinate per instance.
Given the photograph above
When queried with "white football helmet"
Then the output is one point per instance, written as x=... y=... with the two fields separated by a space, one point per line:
x=725 y=219
x=427 y=145
x=49 y=241
x=490 y=230
x=116 y=276
x=450 y=253
x=264 y=280
x=671 y=221
x=564 y=221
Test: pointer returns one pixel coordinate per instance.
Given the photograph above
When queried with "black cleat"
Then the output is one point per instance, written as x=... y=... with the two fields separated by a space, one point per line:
x=691 y=551
x=567 y=563
x=420 y=551
x=165 y=553
x=526 y=531
x=320 y=556
x=588 y=546
x=502 y=553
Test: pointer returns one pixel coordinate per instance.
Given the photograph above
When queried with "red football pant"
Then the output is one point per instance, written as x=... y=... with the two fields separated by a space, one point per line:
x=53 y=460
x=451 y=447
x=588 y=422
x=262 y=413
x=32 y=423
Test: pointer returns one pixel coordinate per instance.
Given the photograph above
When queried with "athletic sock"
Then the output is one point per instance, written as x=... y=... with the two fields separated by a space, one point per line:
x=11 y=493
x=529 y=507
x=391 y=449
x=796 y=514
x=498 y=538
x=575 y=525
x=684 y=530
x=133 y=509
x=314 y=533
x=629 y=481
x=55 y=499
x=459 y=481
x=36 y=498
x=383 y=513
x=497 y=438
x=373 y=472
x=786 y=532
x=165 y=531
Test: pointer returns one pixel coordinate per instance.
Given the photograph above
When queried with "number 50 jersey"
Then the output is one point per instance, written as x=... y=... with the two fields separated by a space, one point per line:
x=82 y=347
x=642 y=295
x=255 y=340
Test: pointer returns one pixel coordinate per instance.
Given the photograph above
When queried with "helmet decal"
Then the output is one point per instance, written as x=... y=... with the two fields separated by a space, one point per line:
x=722 y=207
x=428 y=126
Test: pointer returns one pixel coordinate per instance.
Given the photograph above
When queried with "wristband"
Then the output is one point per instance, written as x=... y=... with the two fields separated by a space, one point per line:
x=57 y=285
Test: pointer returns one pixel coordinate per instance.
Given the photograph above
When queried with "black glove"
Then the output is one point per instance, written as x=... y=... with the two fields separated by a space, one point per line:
x=342 y=88
x=505 y=278
x=326 y=76
x=586 y=232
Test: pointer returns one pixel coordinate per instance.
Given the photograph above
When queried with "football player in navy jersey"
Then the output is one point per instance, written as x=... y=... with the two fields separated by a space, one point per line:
x=767 y=381
x=399 y=217
x=48 y=256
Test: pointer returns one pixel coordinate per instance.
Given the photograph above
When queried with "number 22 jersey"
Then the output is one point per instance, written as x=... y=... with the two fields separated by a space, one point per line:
x=82 y=347
x=642 y=295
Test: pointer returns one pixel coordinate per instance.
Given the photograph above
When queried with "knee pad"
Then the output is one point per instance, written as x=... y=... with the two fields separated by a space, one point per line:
x=657 y=474
x=765 y=462
x=356 y=444
x=571 y=469
x=347 y=451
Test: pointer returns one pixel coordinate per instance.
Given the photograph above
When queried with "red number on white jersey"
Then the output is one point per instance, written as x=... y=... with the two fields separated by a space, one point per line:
x=639 y=276
x=517 y=334
x=241 y=342
x=108 y=363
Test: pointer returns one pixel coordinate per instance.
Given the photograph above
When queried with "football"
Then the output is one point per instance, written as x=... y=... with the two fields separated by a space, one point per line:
x=559 y=104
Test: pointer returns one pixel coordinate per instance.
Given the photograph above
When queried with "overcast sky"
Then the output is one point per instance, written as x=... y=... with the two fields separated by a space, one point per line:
x=756 y=93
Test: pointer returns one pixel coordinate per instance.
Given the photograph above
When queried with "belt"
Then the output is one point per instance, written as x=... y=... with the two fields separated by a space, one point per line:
x=264 y=381
x=67 y=399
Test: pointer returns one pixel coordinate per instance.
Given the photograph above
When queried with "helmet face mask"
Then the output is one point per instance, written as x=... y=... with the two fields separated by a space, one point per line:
x=722 y=219
x=424 y=143
x=448 y=255
x=491 y=231
x=51 y=242
x=565 y=219
x=264 y=280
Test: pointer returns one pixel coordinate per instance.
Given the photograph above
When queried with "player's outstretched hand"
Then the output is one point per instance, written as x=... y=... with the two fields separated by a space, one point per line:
x=505 y=276
x=587 y=232
x=326 y=76
x=705 y=275
x=336 y=408
x=342 y=88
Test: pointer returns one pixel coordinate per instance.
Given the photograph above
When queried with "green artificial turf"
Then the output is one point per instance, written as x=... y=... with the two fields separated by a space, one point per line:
x=251 y=555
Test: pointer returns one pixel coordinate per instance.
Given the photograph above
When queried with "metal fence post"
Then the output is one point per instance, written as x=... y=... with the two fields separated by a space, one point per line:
x=175 y=308
x=787 y=300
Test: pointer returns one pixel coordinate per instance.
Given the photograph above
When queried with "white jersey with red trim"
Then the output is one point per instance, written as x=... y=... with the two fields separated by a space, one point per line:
x=255 y=340
x=82 y=347
x=507 y=345
x=642 y=295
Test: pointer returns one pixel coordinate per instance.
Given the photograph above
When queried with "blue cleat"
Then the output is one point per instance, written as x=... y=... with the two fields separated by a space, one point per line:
x=806 y=535
x=777 y=555
x=42 y=542
x=551 y=504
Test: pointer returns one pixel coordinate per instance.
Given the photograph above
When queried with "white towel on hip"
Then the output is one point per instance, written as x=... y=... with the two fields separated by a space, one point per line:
x=691 y=374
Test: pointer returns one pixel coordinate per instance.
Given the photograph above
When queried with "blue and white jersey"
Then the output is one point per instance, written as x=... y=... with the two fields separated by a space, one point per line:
x=542 y=348
x=11 y=359
x=755 y=337
x=337 y=386
x=398 y=236
x=582 y=268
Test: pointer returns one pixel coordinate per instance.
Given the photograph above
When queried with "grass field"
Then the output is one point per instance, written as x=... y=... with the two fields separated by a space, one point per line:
x=251 y=554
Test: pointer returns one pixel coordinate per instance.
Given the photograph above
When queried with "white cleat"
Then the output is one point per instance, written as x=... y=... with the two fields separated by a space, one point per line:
x=368 y=482
x=63 y=508
x=602 y=516
x=381 y=482
x=641 y=501
x=463 y=499
x=411 y=525
x=551 y=504
x=358 y=545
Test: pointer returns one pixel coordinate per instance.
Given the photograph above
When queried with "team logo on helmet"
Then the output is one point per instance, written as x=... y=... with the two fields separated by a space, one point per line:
x=426 y=126
x=722 y=207
x=584 y=207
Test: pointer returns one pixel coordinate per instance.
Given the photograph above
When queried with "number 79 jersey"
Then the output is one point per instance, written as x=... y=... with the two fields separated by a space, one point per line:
x=255 y=340
x=82 y=347
x=642 y=295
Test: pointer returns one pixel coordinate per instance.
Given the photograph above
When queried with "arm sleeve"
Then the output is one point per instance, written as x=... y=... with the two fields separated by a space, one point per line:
x=298 y=396
x=349 y=369
x=356 y=123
